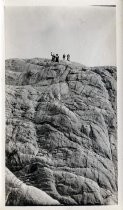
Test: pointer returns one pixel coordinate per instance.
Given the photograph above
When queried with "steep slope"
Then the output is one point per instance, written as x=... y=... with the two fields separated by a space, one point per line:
x=22 y=194
x=61 y=130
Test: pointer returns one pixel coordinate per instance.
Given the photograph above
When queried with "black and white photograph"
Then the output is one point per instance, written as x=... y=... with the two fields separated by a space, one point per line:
x=61 y=106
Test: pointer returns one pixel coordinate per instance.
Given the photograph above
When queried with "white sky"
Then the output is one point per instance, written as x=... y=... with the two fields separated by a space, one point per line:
x=87 y=33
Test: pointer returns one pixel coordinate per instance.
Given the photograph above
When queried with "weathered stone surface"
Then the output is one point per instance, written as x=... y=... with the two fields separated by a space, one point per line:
x=61 y=131
x=18 y=193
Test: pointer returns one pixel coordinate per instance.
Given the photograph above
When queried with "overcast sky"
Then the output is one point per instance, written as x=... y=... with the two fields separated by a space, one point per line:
x=87 y=33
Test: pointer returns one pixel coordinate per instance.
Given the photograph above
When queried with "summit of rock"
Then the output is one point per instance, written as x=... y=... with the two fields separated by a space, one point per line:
x=61 y=134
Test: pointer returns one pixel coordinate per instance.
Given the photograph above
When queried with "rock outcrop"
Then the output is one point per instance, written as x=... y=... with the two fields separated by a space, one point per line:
x=61 y=139
x=18 y=193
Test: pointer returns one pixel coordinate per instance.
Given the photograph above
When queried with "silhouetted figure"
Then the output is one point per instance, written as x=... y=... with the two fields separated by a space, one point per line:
x=57 y=58
x=68 y=57
x=64 y=56
x=53 y=57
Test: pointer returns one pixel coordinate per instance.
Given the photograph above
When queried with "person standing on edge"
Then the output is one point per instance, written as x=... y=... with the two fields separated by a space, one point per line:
x=64 y=56
x=68 y=57
x=57 y=58
x=53 y=57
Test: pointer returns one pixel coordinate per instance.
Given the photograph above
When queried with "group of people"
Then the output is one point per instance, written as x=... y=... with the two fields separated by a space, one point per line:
x=55 y=58
x=68 y=57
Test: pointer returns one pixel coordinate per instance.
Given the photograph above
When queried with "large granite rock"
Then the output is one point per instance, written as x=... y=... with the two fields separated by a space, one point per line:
x=61 y=131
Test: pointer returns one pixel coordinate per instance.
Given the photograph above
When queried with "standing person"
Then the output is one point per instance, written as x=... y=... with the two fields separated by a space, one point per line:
x=64 y=56
x=57 y=58
x=53 y=57
x=68 y=57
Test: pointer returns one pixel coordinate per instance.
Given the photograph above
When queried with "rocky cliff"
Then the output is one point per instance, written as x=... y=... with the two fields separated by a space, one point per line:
x=61 y=140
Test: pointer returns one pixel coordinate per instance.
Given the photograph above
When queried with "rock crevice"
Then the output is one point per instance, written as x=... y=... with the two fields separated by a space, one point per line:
x=61 y=133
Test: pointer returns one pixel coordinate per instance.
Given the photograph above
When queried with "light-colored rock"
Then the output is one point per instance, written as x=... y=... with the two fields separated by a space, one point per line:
x=18 y=193
x=61 y=127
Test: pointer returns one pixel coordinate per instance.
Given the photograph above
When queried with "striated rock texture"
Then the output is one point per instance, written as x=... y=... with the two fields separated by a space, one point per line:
x=61 y=139
x=18 y=193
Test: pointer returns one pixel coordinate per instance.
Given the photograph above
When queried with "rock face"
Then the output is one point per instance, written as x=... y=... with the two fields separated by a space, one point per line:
x=61 y=132
x=24 y=194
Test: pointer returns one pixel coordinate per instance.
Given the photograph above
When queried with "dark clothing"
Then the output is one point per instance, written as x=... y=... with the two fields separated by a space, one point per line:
x=64 y=56
x=53 y=57
x=57 y=58
x=68 y=57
